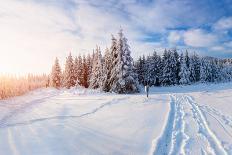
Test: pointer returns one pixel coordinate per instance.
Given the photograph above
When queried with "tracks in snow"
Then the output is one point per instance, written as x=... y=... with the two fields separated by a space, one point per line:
x=222 y=119
x=187 y=131
x=4 y=124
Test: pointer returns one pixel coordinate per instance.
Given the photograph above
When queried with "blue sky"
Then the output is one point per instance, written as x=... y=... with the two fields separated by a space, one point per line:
x=34 y=32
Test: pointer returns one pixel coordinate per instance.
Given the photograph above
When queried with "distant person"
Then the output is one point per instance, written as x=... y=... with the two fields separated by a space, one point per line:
x=147 y=89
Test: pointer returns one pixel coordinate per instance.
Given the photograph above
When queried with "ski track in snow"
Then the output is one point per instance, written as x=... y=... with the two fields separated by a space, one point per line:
x=187 y=131
x=20 y=109
x=223 y=120
x=3 y=122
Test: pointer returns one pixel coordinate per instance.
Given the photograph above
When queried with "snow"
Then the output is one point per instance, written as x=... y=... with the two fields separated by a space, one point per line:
x=194 y=119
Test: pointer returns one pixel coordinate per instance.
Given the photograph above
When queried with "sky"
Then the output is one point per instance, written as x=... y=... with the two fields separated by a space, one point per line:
x=34 y=32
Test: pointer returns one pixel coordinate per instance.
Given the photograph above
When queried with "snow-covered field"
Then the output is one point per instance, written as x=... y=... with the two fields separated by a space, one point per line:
x=173 y=120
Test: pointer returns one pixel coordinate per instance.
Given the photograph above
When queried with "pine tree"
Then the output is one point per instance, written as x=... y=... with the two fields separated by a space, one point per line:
x=169 y=62
x=56 y=74
x=187 y=60
x=177 y=66
x=76 y=66
x=96 y=80
x=148 y=75
x=123 y=79
x=205 y=70
x=84 y=75
x=111 y=56
x=106 y=68
x=89 y=68
x=166 y=69
x=140 y=70
x=194 y=68
x=69 y=77
x=184 y=71
x=79 y=70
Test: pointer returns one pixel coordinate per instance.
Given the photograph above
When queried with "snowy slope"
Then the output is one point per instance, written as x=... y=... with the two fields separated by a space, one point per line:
x=174 y=120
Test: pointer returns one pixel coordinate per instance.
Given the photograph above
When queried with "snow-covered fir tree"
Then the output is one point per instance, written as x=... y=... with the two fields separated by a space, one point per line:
x=194 y=67
x=89 y=68
x=78 y=70
x=140 y=65
x=96 y=75
x=169 y=74
x=76 y=66
x=184 y=70
x=84 y=74
x=205 y=70
x=148 y=76
x=69 y=77
x=175 y=66
x=111 y=56
x=157 y=69
x=166 y=69
x=106 y=67
x=56 y=74
x=123 y=79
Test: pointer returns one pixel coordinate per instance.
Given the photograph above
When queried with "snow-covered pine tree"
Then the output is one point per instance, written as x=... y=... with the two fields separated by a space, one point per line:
x=187 y=60
x=215 y=71
x=84 y=74
x=148 y=76
x=106 y=67
x=166 y=68
x=175 y=66
x=62 y=78
x=184 y=70
x=206 y=70
x=96 y=80
x=157 y=68
x=111 y=56
x=56 y=74
x=227 y=71
x=76 y=75
x=194 y=67
x=203 y=70
x=140 y=69
x=123 y=79
x=79 y=69
x=169 y=76
x=69 y=77
x=151 y=69
x=89 y=68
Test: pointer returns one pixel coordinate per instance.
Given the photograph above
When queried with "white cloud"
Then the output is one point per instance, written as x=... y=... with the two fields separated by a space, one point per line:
x=228 y=44
x=199 y=38
x=33 y=34
x=217 y=48
x=223 y=24
x=174 y=37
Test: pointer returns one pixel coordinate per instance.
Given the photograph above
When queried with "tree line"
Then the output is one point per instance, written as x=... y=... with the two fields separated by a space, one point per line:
x=111 y=72
x=173 y=68
x=115 y=71
x=18 y=85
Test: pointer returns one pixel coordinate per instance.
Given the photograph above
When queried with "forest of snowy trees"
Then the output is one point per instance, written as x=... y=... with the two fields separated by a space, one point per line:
x=112 y=72
x=173 y=68
x=115 y=71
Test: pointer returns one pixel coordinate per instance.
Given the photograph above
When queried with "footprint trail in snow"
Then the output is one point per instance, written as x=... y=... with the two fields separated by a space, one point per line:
x=187 y=131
